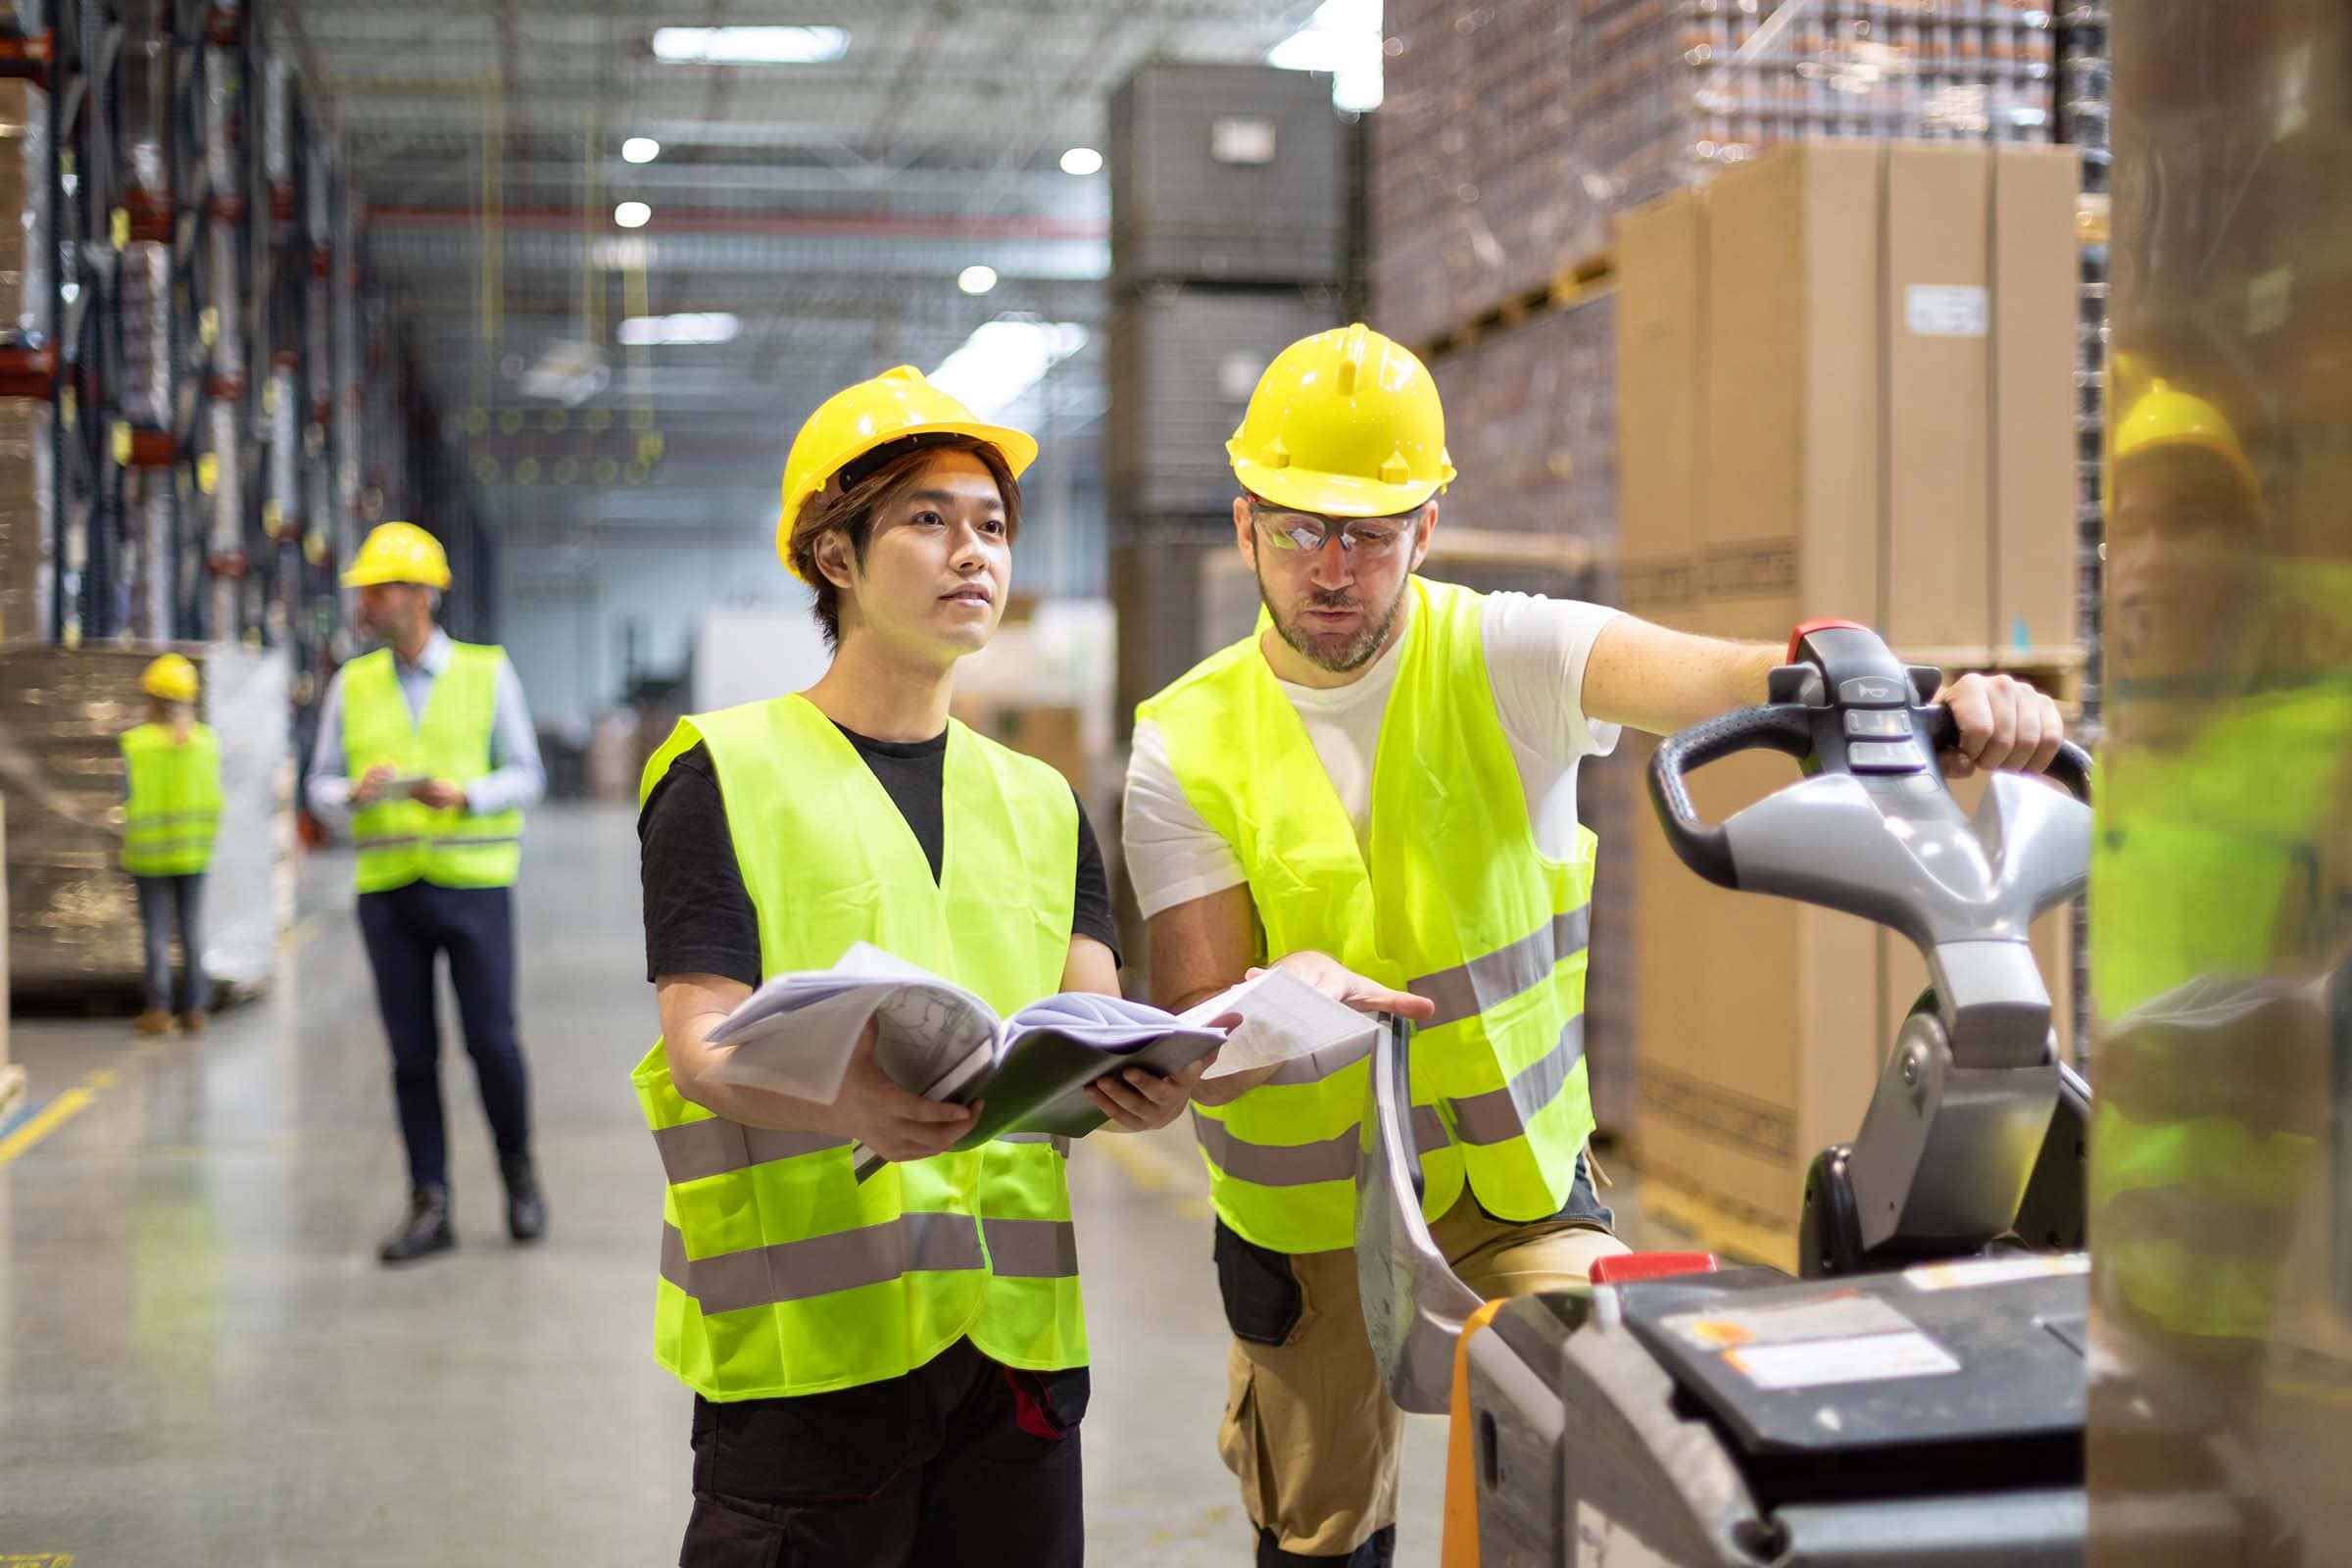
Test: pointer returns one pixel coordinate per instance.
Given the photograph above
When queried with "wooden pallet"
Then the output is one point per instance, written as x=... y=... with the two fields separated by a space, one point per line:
x=1728 y=1232
x=12 y=1089
x=1572 y=287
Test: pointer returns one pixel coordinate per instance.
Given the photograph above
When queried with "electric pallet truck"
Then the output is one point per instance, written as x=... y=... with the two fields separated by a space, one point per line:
x=1918 y=1396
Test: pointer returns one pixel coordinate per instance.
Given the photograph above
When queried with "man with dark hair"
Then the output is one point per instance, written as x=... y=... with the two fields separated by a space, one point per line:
x=887 y=1373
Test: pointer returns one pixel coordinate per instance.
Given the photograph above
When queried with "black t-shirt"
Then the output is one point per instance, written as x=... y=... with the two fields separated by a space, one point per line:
x=698 y=916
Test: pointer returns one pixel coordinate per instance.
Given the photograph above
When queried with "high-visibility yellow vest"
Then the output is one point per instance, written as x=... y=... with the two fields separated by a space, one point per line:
x=781 y=1273
x=402 y=841
x=2207 y=864
x=1457 y=904
x=175 y=808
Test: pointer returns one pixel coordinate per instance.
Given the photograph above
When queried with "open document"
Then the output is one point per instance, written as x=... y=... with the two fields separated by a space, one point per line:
x=797 y=1033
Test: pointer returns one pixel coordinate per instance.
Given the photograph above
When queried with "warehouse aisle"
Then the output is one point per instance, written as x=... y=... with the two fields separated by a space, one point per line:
x=200 y=1360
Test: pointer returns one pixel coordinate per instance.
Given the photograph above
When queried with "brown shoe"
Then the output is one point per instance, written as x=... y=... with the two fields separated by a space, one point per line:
x=154 y=1021
x=192 y=1021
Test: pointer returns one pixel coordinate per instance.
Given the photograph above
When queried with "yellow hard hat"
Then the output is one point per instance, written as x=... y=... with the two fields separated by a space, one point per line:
x=2166 y=418
x=172 y=678
x=1345 y=423
x=399 y=552
x=855 y=420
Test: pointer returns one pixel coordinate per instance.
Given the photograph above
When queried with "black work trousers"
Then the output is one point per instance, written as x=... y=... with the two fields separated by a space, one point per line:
x=961 y=1463
x=407 y=930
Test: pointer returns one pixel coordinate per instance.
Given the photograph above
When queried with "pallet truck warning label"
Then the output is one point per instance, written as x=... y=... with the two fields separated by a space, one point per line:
x=1838 y=1315
x=1993 y=1271
x=1821 y=1364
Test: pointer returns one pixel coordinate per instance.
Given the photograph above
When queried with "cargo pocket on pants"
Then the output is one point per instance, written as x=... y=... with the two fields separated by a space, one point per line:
x=1262 y=1300
x=1239 y=1444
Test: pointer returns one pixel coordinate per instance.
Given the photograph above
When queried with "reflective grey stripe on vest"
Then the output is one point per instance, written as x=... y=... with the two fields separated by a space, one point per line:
x=1501 y=1114
x=170 y=818
x=1469 y=989
x=1031 y=1248
x=386 y=844
x=823 y=1265
x=455 y=843
x=1061 y=1145
x=1330 y=1159
x=694 y=1151
x=140 y=845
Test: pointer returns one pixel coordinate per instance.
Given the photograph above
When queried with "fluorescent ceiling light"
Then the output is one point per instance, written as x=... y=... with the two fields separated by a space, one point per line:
x=566 y=372
x=1003 y=358
x=1082 y=161
x=751 y=46
x=1341 y=37
x=714 y=326
x=976 y=279
x=632 y=215
x=640 y=150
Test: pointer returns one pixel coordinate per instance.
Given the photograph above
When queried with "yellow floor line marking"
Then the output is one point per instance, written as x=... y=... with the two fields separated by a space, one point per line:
x=59 y=1111
x=1147 y=1173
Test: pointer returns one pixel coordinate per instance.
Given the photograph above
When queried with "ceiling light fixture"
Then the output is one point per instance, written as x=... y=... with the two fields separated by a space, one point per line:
x=976 y=279
x=632 y=215
x=1082 y=161
x=686 y=326
x=1341 y=37
x=749 y=46
x=640 y=150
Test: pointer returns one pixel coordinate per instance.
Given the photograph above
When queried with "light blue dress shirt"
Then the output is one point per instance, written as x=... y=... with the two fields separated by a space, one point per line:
x=517 y=779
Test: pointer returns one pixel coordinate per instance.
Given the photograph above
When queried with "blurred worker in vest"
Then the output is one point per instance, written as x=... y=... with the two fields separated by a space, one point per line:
x=1376 y=789
x=888 y=1374
x=172 y=810
x=426 y=757
x=2220 y=899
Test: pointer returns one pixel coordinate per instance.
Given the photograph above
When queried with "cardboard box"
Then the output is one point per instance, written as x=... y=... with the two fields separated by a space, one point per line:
x=1792 y=486
x=1661 y=321
x=1936 y=580
x=1051 y=735
x=2034 y=312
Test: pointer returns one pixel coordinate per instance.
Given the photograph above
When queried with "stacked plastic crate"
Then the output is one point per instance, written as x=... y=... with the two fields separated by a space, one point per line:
x=1229 y=231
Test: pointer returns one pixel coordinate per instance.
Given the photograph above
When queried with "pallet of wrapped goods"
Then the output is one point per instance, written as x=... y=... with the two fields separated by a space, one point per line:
x=1530 y=425
x=74 y=927
x=11 y=1076
x=24 y=259
x=26 y=499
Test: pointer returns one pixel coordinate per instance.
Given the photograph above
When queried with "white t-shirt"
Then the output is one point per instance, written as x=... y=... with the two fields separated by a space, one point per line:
x=1535 y=654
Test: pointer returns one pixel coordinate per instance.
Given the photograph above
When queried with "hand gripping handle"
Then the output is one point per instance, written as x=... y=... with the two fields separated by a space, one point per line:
x=2069 y=768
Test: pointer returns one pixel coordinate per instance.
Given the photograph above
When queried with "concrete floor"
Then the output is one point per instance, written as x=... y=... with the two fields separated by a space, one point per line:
x=201 y=1361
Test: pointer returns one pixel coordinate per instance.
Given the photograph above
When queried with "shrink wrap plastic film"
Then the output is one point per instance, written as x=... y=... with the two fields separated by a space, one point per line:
x=73 y=924
x=1513 y=131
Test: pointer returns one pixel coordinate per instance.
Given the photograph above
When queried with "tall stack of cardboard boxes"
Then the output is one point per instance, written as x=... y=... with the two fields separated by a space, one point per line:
x=1846 y=382
x=1229 y=234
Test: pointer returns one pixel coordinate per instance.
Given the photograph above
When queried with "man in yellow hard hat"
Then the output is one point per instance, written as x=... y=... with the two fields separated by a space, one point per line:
x=170 y=814
x=426 y=757
x=887 y=1374
x=1378 y=790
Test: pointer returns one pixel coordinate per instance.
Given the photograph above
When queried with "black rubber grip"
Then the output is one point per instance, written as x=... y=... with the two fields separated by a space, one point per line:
x=2070 y=768
x=1703 y=847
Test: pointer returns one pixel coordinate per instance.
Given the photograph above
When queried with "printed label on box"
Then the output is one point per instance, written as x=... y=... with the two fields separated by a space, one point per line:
x=1933 y=310
x=1821 y=1364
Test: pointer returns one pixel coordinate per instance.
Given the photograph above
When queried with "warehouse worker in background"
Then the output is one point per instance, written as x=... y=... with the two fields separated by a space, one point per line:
x=170 y=814
x=425 y=755
x=1378 y=790
x=887 y=1374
